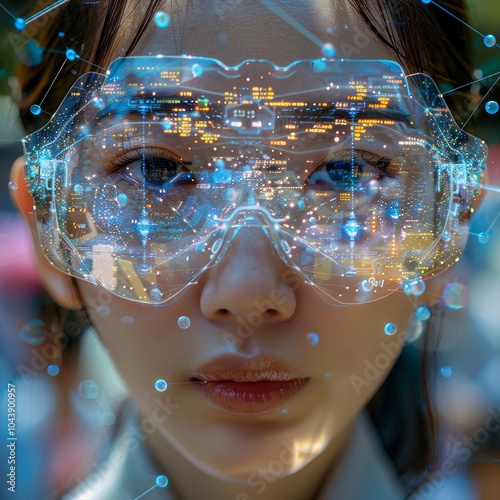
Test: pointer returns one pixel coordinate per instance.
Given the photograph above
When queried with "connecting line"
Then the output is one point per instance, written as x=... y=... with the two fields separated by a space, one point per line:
x=53 y=81
x=472 y=83
x=460 y=20
x=146 y=492
x=48 y=9
x=479 y=104
x=10 y=13
x=292 y=22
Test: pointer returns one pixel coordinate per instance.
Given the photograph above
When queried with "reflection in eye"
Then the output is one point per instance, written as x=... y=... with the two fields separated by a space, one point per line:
x=347 y=171
x=155 y=168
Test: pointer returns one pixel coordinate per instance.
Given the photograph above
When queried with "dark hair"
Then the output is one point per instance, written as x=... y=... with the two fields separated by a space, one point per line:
x=411 y=30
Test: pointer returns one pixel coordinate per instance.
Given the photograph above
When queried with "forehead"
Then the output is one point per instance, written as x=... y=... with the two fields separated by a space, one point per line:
x=280 y=31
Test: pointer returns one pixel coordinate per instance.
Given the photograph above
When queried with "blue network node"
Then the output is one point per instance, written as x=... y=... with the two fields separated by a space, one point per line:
x=446 y=371
x=35 y=109
x=490 y=41
x=328 y=50
x=161 y=385
x=483 y=238
x=53 y=370
x=492 y=107
x=20 y=24
x=162 y=19
x=312 y=338
x=390 y=329
x=184 y=322
x=161 y=481
x=71 y=55
x=423 y=313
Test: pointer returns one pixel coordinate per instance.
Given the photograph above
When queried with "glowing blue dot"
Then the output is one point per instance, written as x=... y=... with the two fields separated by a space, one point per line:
x=352 y=229
x=446 y=371
x=35 y=109
x=88 y=389
x=312 y=338
x=220 y=163
x=53 y=370
x=155 y=295
x=407 y=288
x=197 y=70
x=390 y=329
x=328 y=50
x=20 y=24
x=423 y=313
x=492 y=107
x=167 y=124
x=122 y=199
x=490 y=41
x=284 y=411
x=312 y=220
x=367 y=285
x=161 y=385
x=426 y=1
x=300 y=204
x=61 y=34
x=417 y=288
x=71 y=55
x=446 y=236
x=483 y=238
x=161 y=481
x=162 y=19
x=184 y=322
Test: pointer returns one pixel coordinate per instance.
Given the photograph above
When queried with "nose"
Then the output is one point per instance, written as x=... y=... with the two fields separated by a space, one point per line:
x=249 y=280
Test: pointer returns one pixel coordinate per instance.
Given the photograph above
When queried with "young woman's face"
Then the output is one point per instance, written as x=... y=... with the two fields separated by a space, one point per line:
x=248 y=321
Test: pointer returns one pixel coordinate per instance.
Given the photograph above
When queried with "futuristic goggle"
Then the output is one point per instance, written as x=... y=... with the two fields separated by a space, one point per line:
x=357 y=174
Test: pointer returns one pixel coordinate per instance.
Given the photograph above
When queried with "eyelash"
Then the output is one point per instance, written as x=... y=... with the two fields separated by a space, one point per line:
x=152 y=174
x=346 y=171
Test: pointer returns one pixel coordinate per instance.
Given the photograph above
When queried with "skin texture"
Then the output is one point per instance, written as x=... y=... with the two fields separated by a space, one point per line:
x=200 y=447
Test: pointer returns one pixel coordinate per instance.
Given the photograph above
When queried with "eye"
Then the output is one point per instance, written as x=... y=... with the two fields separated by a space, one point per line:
x=155 y=168
x=350 y=171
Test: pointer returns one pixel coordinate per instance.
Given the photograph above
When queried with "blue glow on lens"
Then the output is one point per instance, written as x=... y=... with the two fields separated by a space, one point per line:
x=312 y=338
x=161 y=385
x=390 y=329
x=328 y=50
x=184 y=322
x=162 y=19
x=20 y=24
x=71 y=55
x=492 y=107
x=446 y=371
x=454 y=296
x=35 y=109
x=490 y=41
x=423 y=313
x=483 y=238
x=53 y=370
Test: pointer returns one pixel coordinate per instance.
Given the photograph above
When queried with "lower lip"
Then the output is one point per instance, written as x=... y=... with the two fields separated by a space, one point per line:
x=250 y=397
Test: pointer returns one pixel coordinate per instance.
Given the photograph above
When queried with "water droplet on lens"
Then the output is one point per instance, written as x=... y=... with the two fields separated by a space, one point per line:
x=35 y=109
x=490 y=41
x=492 y=107
x=390 y=329
x=184 y=322
x=417 y=288
x=34 y=332
x=88 y=389
x=423 y=313
x=162 y=481
x=483 y=238
x=12 y=186
x=312 y=338
x=162 y=19
x=446 y=371
x=103 y=310
x=454 y=296
x=53 y=370
x=108 y=418
x=161 y=385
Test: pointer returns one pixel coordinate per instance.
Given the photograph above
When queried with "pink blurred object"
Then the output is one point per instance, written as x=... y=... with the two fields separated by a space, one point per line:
x=18 y=272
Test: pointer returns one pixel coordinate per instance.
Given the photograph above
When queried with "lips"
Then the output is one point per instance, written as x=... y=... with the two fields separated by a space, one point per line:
x=248 y=385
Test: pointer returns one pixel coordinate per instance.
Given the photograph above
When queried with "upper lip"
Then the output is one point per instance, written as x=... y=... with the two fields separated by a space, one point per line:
x=236 y=368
